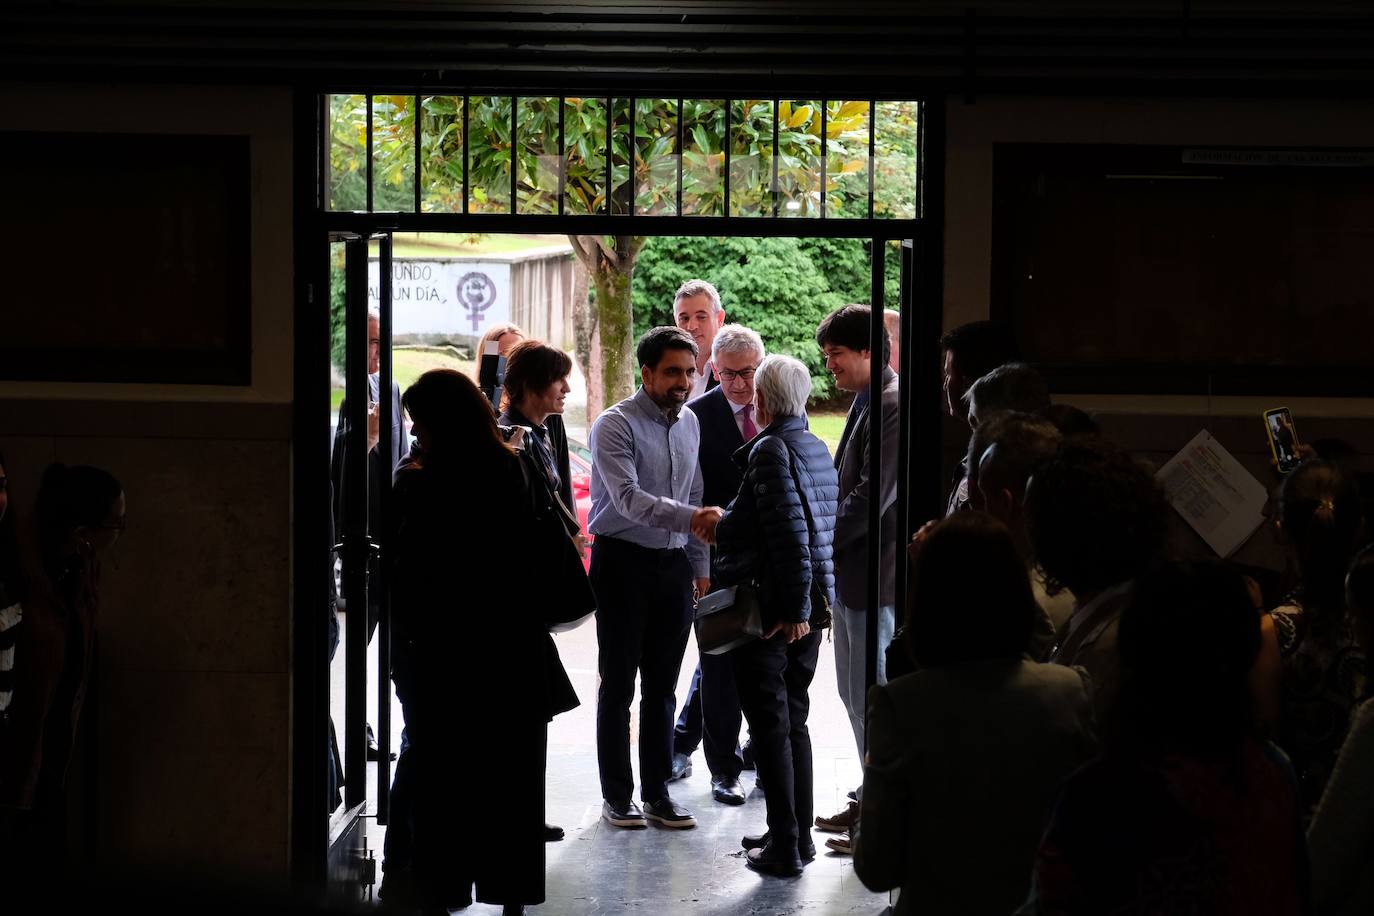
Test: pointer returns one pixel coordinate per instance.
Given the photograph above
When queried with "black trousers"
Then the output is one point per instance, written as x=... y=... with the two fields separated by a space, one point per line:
x=643 y=613
x=711 y=717
x=492 y=838
x=772 y=677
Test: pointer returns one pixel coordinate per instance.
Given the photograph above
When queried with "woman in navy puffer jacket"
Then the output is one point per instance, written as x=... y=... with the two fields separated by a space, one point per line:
x=778 y=534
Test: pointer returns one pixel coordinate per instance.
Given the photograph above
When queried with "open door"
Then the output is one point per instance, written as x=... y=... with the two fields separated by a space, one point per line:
x=361 y=471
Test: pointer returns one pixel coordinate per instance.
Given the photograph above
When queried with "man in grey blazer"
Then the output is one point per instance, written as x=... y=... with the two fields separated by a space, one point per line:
x=844 y=339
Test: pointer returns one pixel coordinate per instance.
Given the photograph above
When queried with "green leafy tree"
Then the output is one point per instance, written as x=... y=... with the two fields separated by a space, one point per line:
x=529 y=144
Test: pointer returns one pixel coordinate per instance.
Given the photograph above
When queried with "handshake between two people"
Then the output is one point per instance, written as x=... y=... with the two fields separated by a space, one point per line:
x=704 y=521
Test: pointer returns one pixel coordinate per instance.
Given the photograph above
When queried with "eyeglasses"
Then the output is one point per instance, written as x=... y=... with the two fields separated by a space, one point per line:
x=726 y=375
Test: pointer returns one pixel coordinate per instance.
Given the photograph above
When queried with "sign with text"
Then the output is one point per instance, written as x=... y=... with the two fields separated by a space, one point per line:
x=432 y=296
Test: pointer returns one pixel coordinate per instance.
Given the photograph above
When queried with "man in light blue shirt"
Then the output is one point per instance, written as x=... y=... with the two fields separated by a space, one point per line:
x=646 y=569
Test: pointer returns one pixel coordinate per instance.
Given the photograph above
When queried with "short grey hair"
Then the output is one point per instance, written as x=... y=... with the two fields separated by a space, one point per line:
x=1013 y=386
x=783 y=384
x=736 y=338
x=698 y=288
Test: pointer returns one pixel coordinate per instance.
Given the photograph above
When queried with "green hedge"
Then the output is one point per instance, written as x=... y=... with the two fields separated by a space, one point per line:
x=781 y=288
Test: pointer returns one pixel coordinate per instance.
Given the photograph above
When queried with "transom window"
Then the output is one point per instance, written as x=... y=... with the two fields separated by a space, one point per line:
x=831 y=159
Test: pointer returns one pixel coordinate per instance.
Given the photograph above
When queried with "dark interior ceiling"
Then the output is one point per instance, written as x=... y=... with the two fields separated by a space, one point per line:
x=1255 y=48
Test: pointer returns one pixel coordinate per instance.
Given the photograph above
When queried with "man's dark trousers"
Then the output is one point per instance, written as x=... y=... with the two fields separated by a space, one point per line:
x=773 y=677
x=643 y=615
x=711 y=717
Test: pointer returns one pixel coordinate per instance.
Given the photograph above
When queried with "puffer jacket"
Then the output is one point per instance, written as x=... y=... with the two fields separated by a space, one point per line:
x=763 y=536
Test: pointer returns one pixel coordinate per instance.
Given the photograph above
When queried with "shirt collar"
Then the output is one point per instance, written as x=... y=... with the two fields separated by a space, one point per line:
x=646 y=404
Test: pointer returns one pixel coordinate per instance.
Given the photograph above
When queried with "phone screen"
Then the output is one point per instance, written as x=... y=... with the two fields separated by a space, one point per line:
x=1283 y=437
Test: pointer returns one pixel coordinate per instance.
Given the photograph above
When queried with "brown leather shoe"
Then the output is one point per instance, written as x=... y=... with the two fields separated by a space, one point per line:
x=842 y=822
x=841 y=844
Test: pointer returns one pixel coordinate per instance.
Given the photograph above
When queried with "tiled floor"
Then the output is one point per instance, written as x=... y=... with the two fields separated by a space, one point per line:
x=598 y=869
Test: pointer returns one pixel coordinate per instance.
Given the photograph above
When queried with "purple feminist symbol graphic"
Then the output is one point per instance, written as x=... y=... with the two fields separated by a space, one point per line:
x=476 y=293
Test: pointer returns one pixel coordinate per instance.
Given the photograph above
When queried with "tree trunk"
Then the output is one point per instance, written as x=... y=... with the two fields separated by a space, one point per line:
x=616 y=325
x=610 y=263
x=585 y=339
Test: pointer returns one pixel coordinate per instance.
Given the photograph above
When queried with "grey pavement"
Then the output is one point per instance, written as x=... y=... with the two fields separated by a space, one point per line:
x=599 y=869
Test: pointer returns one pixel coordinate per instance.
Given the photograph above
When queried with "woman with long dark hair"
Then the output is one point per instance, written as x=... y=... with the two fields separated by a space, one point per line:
x=468 y=657
x=1323 y=666
x=1188 y=810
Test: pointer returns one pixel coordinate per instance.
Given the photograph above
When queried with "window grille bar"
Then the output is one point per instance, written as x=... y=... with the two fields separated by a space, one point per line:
x=920 y=160
x=514 y=151
x=777 y=191
x=467 y=192
x=610 y=150
x=872 y=162
x=562 y=157
x=825 y=151
x=680 y=156
x=368 y=97
x=418 y=122
x=726 y=142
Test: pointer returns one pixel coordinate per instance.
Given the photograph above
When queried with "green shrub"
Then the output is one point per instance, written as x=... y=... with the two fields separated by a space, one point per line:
x=781 y=288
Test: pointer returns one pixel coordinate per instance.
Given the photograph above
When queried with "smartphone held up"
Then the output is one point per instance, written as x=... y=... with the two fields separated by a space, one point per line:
x=1283 y=438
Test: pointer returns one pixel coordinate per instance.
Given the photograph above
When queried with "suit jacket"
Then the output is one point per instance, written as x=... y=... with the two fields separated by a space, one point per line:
x=1089 y=641
x=720 y=439
x=856 y=493
x=964 y=765
x=380 y=468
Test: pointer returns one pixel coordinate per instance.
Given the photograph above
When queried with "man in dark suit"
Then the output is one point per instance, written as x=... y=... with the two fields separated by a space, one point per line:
x=844 y=339
x=697 y=310
x=379 y=472
x=711 y=714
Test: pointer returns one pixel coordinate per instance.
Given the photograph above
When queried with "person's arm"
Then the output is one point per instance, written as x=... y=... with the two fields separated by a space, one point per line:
x=1341 y=838
x=697 y=552
x=558 y=439
x=786 y=553
x=880 y=840
x=1266 y=677
x=851 y=517
x=613 y=455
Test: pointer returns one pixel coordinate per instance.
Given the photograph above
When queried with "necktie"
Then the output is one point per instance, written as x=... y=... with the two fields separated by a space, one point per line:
x=750 y=430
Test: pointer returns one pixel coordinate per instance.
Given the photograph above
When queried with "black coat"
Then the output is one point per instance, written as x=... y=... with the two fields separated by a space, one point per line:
x=720 y=439
x=558 y=445
x=764 y=537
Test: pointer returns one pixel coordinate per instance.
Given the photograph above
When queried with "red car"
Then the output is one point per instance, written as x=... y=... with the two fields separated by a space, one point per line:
x=580 y=465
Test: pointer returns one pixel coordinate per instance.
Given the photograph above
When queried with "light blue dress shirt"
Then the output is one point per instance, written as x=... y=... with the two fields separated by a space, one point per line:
x=645 y=479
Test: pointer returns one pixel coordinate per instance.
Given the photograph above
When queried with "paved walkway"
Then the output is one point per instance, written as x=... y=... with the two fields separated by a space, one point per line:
x=598 y=869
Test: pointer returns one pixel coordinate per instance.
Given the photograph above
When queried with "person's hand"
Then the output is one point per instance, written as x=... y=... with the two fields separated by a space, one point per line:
x=700 y=587
x=791 y=631
x=919 y=538
x=704 y=522
x=374 y=419
x=580 y=542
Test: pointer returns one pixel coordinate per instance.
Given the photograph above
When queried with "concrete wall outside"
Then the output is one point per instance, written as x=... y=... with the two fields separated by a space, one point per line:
x=190 y=740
